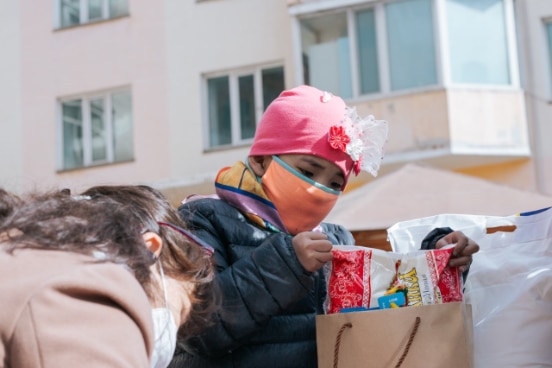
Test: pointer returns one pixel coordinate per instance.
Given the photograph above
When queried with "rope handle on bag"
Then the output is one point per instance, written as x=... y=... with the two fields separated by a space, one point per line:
x=338 y=342
x=401 y=359
x=410 y=339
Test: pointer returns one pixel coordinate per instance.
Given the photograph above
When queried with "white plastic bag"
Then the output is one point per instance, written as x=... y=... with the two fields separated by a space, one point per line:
x=509 y=285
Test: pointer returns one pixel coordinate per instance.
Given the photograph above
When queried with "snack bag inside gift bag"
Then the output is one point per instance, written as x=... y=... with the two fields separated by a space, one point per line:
x=361 y=278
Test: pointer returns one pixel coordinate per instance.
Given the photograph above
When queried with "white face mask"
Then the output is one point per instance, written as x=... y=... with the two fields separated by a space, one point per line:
x=165 y=332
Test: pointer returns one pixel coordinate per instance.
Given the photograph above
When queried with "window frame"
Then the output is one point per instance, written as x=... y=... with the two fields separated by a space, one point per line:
x=85 y=101
x=235 y=117
x=84 y=17
x=440 y=37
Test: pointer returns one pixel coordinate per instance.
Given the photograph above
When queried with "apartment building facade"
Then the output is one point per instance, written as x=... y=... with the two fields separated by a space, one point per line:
x=166 y=93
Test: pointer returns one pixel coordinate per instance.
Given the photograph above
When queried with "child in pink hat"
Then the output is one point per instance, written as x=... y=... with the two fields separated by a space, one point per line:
x=267 y=229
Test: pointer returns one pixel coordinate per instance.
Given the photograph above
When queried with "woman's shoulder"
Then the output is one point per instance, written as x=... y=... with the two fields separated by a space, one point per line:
x=32 y=270
x=72 y=292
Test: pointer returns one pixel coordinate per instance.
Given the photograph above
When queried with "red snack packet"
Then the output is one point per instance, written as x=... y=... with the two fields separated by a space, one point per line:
x=358 y=276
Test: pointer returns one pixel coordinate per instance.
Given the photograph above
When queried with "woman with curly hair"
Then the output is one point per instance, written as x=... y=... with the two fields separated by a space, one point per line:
x=73 y=274
x=184 y=266
x=67 y=291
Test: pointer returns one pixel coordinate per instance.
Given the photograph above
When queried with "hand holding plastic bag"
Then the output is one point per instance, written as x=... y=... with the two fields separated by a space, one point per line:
x=509 y=286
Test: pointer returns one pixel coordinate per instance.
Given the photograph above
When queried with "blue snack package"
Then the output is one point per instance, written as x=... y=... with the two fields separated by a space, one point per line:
x=385 y=301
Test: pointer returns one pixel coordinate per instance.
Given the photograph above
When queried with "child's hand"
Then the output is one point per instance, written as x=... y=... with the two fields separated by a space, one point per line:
x=313 y=249
x=462 y=253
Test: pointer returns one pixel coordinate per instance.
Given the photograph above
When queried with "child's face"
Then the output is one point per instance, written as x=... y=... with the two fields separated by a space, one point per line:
x=317 y=169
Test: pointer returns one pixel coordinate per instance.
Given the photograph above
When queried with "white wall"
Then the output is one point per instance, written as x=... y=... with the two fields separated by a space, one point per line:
x=10 y=97
x=161 y=51
x=536 y=77
x=231 y=34
x=129 y=51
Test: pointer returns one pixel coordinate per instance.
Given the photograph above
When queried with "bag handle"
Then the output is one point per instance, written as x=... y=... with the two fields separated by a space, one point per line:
x=410 y=339
x=503 y=228
x=350 y=325
x=338 y=342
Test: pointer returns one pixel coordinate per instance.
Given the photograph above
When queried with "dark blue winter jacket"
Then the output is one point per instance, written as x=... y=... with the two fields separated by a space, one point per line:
x=269 y=301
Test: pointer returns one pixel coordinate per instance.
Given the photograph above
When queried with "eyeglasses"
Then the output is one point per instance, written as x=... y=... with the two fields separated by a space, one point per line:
x=189 y=236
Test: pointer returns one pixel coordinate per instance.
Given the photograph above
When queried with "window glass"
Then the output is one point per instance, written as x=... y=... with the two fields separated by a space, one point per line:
x=549 y=34
x=69 y=12
x=478 y=46
x=73 y=151
x=247 y=106
x=121 y=116
x=118 y=8
x=326 y=54
x=97 y=130
x=92 y=10
x=95 y=9
x=99 y=144
x=220 y=123
x=273 y=84
x=410 y=44
x=367 y=51
x=253 y=96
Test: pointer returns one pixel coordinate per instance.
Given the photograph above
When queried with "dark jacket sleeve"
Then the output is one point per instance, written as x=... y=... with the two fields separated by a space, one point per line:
x=338 y=234
x=254 y=287
x=431 y=239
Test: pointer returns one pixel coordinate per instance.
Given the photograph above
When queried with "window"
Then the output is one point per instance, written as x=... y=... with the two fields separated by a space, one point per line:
x=549 y=38
x=386 y=46
x=235 y=102
x=96 y=130
x=325 y=47
x=75 y=12
x=410 y=44
x=367 y=51
x=333 y=57
x=478 y=53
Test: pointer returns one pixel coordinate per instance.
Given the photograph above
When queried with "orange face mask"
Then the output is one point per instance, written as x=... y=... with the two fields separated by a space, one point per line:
x=301 y=202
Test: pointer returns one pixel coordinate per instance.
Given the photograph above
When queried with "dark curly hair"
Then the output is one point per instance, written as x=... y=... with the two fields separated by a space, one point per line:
x=56 y=220
x=8 y=202
x=181 y=259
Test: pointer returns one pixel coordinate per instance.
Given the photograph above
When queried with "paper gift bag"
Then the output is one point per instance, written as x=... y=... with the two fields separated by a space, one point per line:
x=427 y=336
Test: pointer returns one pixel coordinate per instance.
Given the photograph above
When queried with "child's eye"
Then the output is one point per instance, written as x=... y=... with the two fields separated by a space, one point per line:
x=336 y=185
x=307 y=173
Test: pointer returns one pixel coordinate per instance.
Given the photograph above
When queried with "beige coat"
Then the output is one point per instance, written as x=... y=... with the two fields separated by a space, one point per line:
x=63 y=310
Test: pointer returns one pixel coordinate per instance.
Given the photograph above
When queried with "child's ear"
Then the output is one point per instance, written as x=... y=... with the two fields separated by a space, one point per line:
x=259 y=164
x=153 y=242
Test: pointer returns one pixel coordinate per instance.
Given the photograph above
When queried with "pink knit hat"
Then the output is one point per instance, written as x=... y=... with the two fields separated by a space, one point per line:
x=306 y=120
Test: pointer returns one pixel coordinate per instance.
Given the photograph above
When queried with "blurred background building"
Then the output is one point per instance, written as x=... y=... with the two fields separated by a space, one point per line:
x=167 y=92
